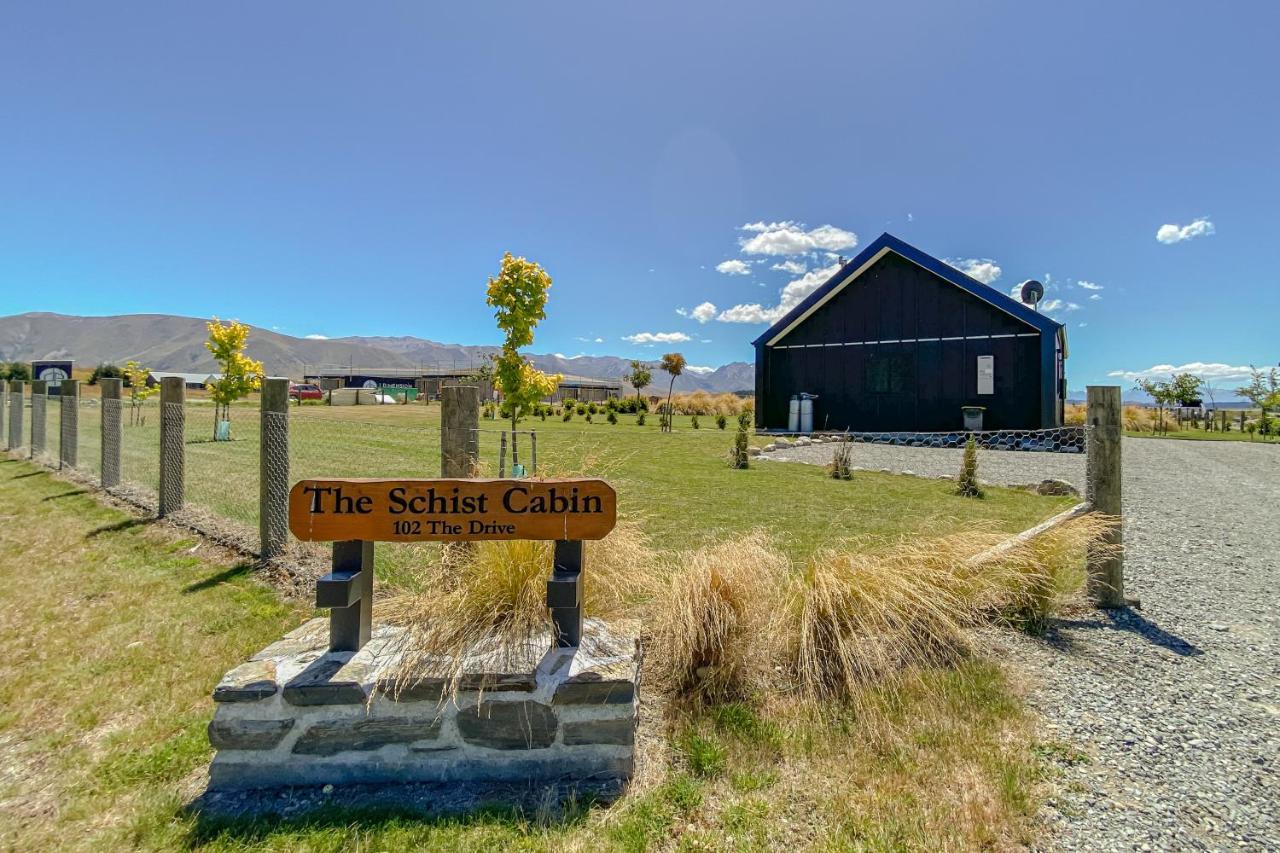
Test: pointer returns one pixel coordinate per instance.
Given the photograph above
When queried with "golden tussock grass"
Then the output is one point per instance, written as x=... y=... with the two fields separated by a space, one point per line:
x=703 y=403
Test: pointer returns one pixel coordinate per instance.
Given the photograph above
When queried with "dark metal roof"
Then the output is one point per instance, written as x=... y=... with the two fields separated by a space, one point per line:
x=939 y=268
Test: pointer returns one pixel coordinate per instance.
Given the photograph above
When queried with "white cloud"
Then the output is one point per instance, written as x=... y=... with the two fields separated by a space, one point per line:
x=1169 y=234
x=791 y=296
x=695 y=368
x=792 y=238
x=791 y=266
x=317 y=337
x=1095 y=297
x=704 y=312
x=1088 y=285
x=1214 y=371
x=656 y=338
x=911 y=218
x=984 y=270
x=1052 y=304
x=734 y=267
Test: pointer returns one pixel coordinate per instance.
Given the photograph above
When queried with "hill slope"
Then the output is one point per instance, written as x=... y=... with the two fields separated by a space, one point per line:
x=167 y=342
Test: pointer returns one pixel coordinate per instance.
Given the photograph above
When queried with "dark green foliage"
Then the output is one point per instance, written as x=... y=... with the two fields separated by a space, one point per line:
x=640 y=419
x=613 y=417
x=582 y=409
x=17 y=370
x=568 y=415
x=967 y=483
x=105 y=371
x=721 y=421
x=693 y=421
x=738 y=456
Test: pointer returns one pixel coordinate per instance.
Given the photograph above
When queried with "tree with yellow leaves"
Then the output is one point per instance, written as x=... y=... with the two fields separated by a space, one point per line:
x=241 y=375
x=136 y=376
x=519 y=296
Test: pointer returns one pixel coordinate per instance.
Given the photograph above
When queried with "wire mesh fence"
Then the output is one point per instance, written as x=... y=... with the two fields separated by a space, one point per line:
x=221 y=475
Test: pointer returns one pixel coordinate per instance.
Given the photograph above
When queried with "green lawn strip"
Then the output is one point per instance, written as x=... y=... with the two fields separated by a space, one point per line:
x=1201 y=435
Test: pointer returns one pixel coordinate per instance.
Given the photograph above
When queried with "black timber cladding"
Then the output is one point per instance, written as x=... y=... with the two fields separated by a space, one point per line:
x=897 y=350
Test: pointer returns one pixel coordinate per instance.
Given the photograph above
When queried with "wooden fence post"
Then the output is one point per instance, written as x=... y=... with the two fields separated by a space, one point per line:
x=459 y=430
x=1105 y=561
x=273 y=468
x=69 y=423
x=173 y=447
x=16 y=388
x=111 y=393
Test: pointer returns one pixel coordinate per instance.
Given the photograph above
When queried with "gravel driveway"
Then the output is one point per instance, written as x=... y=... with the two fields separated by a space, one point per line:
x=1165 y=721
x=1002 y=467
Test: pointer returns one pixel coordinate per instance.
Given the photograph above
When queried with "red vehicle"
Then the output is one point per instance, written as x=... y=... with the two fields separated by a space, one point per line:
x=305 y=391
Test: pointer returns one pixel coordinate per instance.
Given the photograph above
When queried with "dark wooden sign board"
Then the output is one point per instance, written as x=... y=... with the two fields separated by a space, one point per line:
x=450 y=510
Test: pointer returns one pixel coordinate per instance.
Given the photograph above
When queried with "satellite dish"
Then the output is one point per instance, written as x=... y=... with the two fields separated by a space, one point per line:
x=1032 y=292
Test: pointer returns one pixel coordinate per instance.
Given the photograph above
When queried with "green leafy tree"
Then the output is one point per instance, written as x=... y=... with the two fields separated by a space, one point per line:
x=135 y=378
x=640 y=377
x=518 y=295
x=105 y=371
x=1263 y=389
x=674 y=364
x=240 y=375
x=19 y=371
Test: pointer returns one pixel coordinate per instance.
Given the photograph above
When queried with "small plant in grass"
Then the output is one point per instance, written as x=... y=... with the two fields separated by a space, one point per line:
x=739 y=457
x=135 y=379
x=588 y=417
x=967 y=483
x=721 y=421
x=613 y=417
x=543 y=413
x=490 y=411
x=707 y=757
x=582 y=409
x=567 y=416
x=640 y=419
x=239 y=376
x=841 y=465
x=693 y=421
x=1251 y=427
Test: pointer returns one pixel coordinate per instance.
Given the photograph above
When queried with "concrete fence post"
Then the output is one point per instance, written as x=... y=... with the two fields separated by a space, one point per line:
x=459 y=430
x=173 y=448
x=1103 y=470
x=69 y=423
x=39 y=391
x=273 y=468
x=4 y=390
x=111 y=393
x=16 y=388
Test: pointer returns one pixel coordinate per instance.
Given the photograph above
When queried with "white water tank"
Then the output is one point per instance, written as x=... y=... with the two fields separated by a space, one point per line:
x=793 y=414
x=806 y=413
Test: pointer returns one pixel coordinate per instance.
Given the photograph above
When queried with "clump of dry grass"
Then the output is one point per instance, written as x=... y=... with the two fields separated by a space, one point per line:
x=488 y=599
x=841 y=465
x=702 y=403
x=1073 y=414
x=709 y=623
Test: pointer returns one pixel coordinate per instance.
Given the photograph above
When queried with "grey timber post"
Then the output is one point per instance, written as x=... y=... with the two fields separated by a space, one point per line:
x=459 y=430
x=111 y=393
x=348 y=592
x=39 y=388
x=1103 y=469
x=16 y=388
x=273 y=469
x=69 y=423
x=173 y=396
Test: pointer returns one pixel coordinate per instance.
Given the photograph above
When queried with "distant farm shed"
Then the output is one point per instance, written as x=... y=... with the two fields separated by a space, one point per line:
x=190 y=380
x=900 y=341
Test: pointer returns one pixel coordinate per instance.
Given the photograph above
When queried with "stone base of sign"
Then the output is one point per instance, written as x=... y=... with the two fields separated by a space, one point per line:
x=296 y=714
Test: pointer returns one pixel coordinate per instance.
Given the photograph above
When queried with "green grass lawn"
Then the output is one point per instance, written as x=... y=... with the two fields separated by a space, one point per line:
x=1201 y=435
x=678 y=484
x=115 y=631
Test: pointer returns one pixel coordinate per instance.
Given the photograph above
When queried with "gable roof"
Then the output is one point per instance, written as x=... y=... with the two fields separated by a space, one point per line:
x=877 y=249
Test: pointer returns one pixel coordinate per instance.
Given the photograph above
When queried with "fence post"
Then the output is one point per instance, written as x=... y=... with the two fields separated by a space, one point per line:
x=1106 y=563
x=39 y=388
x=173 y=397
x=16 y=387
x=111 y=392
x=69 y=423
x=459 y=430
x=273 y=468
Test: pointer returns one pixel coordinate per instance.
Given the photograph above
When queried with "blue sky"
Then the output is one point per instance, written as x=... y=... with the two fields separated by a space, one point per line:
x=334 y=169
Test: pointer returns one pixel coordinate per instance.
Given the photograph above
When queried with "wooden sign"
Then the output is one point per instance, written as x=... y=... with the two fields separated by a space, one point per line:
x=450 y=510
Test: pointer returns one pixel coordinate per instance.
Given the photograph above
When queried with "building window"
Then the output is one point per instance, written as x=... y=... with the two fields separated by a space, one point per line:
x=891 y=374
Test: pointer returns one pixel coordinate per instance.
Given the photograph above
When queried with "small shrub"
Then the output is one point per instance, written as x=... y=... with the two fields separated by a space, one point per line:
x=591 y=408
x=568 y=415
x=640 y=419
x=841 y=465
x=582 y=409
x=613 y=417
x=543 y=414
x=739 y=457
x=707 y=757
x=588 y=417
x=967 y=482
x=721 y=421
x=693 y=422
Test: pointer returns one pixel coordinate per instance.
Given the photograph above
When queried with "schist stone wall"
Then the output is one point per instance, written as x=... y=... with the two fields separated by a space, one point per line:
x=295 y=714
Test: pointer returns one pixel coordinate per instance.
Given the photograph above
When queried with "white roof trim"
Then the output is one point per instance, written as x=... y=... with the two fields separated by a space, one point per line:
x=859 y=271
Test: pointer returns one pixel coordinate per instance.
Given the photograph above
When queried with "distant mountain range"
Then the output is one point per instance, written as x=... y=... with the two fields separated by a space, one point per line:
x=167 y=342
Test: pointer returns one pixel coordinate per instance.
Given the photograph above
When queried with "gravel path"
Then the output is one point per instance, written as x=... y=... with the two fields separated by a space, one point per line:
x=1001 y=467
x=1164 y=722
x=1169 y=716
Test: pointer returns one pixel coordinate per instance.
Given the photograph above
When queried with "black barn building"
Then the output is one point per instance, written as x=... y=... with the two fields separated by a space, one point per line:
x=900 y=341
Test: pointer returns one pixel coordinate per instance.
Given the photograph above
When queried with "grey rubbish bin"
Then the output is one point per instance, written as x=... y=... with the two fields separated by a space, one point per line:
x=972 y=418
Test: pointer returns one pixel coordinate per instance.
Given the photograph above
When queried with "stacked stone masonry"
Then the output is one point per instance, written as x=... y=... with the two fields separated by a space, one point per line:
x=296 y=714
